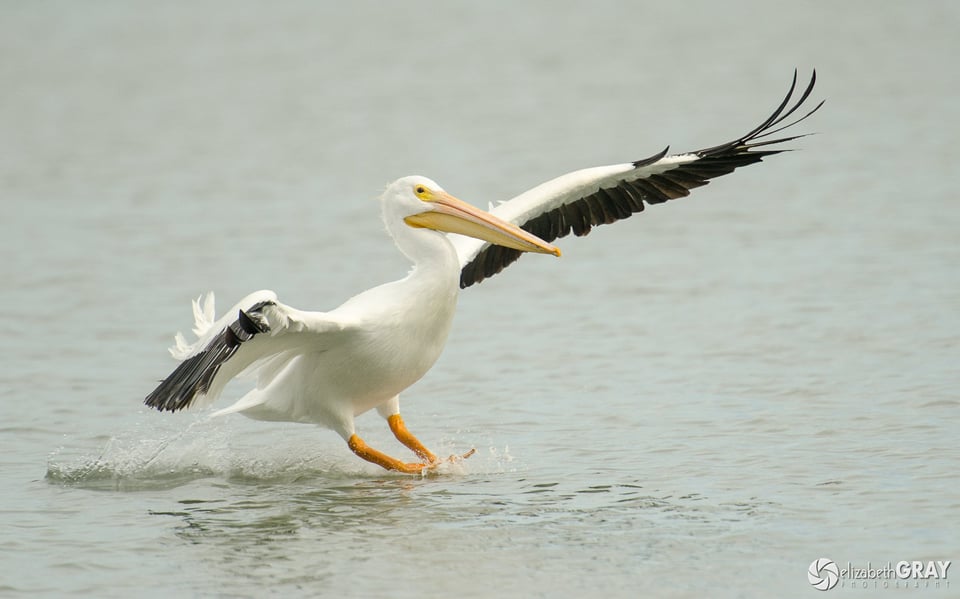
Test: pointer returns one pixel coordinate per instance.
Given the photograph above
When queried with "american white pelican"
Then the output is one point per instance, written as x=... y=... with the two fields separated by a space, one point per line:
x=328 y=367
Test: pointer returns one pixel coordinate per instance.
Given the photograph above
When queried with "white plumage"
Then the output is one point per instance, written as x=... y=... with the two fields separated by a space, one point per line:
x=326 y=368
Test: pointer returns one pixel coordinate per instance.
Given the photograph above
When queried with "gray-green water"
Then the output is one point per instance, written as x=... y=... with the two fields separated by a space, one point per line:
x=699 y=401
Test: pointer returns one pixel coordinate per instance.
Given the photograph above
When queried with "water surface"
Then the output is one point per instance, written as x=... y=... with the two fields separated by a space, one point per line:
x=699 y=401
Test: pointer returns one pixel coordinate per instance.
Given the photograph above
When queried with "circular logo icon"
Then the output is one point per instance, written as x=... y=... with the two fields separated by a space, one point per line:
x=823 y=574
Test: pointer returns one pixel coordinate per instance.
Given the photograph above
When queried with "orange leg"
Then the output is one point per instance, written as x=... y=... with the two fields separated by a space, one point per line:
x=413 y=444
x=406 y=437
x=381 y=459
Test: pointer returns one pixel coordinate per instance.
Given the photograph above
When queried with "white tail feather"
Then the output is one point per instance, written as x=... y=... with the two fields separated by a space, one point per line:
x=206 y=327
x=181 y=348
x=203 y=314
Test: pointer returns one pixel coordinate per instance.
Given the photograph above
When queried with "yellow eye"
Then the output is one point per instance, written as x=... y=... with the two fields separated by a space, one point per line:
x=423 y=192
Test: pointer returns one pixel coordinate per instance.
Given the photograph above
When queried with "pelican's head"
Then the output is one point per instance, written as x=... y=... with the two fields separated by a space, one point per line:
x=422 y=204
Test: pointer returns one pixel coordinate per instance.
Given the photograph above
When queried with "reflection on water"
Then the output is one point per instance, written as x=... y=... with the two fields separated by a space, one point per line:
x=334 y=485
x=304 y=516
x=318 y=530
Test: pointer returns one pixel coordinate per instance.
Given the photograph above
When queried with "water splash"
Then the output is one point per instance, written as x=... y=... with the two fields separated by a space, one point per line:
x=147 y=457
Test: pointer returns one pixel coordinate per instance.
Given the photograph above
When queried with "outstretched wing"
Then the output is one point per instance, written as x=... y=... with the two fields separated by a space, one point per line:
x=580 y=200
x=258 y=331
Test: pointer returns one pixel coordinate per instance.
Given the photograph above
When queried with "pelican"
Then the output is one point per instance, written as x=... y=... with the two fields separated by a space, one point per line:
x=326 y=368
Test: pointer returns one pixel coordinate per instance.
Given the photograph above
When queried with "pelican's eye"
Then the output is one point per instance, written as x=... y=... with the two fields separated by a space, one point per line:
x=422 y=192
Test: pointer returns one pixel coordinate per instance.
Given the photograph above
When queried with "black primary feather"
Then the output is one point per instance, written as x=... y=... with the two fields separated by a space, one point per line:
x=619 y=201
x=194 y=375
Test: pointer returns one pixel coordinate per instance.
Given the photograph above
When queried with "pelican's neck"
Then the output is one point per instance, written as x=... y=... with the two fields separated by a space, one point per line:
x=427 y=296
x=432 y=254
x=428 y=250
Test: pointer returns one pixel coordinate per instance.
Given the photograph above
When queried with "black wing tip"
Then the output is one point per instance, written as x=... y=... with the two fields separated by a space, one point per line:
x=769 y=126
x=193 y=377
x=651 y=159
